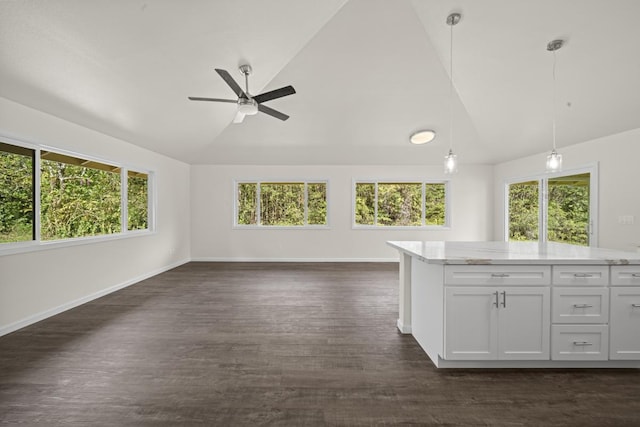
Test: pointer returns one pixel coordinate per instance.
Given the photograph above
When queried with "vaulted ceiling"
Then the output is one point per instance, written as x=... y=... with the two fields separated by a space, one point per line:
x=367 y=74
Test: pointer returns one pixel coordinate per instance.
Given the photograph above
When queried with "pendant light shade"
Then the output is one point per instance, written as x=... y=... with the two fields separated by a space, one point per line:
x=554 y=160
x=451 y=160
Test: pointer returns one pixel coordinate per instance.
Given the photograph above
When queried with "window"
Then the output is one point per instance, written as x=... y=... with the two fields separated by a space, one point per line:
x=137 y=201
x=78 y=197
x=400 y=204
x=17 y=194
x=561 y=206
x=49 y=196
x=281 y=204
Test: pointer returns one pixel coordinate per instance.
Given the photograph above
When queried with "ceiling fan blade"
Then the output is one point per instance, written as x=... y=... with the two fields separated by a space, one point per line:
x=272 y=112
x=232 y=83
x=197 y=98
x=239 y=117
x=278 y=93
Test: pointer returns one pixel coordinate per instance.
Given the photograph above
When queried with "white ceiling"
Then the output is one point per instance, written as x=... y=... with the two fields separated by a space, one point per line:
x=367 y=73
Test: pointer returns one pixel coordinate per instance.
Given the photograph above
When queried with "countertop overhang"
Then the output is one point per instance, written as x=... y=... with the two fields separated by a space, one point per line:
x=498 y=253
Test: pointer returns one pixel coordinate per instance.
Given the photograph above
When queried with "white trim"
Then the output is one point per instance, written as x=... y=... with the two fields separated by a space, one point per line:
x=405 y=329
x=34 y=246
x=315 y=260
x=83 y=300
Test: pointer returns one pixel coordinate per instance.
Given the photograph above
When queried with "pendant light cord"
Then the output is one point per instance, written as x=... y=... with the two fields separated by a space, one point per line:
x=554 y=101
x=451 y=89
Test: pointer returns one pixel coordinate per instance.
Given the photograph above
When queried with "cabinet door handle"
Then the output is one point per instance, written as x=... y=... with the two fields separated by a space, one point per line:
x=582 y=275
x=635 y=305
x=582 y=343
x=582 y=305
x=496 y=301
x=499 y=275
x=504 y=299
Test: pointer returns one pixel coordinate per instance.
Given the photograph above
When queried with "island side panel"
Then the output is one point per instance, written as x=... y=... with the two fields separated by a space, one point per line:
x=404 y=294
x=427 y=307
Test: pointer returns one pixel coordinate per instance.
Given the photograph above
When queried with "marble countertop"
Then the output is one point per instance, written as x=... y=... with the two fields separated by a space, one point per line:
x=439 y=252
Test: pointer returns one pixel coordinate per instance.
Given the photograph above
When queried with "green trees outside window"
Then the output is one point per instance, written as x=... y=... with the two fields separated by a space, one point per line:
x=77 y=197
x=404 y=204
x=567 y=209
x=16 y=193
x=281 y=204
x=77 y=200
x=137 y=201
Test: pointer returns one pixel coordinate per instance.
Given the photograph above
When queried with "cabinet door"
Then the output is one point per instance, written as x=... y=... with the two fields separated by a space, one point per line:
x=625 y=323
x=471 y=323
x=524 y=322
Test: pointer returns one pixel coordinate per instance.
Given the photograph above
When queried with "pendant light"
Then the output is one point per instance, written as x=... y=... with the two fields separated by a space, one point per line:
x=451 y=160
x=554 y=160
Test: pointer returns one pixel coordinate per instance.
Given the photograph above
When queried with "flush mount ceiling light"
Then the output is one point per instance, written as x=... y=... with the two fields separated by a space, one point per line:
x=554 y=160
x=451 y=160
x=422 y=137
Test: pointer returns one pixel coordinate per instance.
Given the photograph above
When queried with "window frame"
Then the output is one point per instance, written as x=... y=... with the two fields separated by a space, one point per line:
x=423 y=182
x=543 y=191
x=259 y=225
x=11 y=248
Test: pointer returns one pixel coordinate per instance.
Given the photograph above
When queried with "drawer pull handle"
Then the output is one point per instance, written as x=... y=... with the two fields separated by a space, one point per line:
x=582 y=343
x=499 y=275
x=636 y=275
x=635 y=305
x=582 y=275
x=582 y=305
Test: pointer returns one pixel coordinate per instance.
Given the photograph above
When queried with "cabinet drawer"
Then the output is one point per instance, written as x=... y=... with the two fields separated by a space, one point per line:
x=581 y=275
x=497 y=275
x=579 y=342
x=625 y=275
x=580 y=305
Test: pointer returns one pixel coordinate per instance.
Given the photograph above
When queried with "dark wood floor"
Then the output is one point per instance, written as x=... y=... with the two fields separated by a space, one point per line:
x=275 y=344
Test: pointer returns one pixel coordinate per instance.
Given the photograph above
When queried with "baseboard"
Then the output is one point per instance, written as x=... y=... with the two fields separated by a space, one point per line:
x=241 y=259
x=4 y=330
x=405 y=329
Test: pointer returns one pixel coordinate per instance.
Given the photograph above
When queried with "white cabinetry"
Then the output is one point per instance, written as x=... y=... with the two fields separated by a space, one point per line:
x=506 y=321
x=625 y=323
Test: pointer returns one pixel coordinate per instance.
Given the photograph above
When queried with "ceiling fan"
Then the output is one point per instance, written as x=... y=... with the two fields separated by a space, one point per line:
x=249 y=105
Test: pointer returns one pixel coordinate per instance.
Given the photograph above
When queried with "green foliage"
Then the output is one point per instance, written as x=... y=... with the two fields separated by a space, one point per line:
x=317 y=204
x=523 y=211
x=365 y=203
x=282 y=204
x=16 y=197
x=138 y=202
x=568 y=215
x=77 y=201
x=399 y=204
x=247 y=204
x=567 y=212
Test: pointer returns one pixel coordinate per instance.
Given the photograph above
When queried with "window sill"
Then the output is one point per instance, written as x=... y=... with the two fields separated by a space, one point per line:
x=32 y=246
x=281 y=227
x=402 y=227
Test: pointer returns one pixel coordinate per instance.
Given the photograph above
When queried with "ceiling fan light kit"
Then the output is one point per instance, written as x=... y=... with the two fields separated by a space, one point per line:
x=422 y=137
x=248 y=105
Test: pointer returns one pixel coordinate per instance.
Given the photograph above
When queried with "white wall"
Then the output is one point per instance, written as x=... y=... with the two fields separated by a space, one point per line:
x=618 y=157
x=37 y=284
x=214 y=238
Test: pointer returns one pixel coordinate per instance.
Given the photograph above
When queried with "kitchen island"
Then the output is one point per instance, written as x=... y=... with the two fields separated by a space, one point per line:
x=520 y=304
